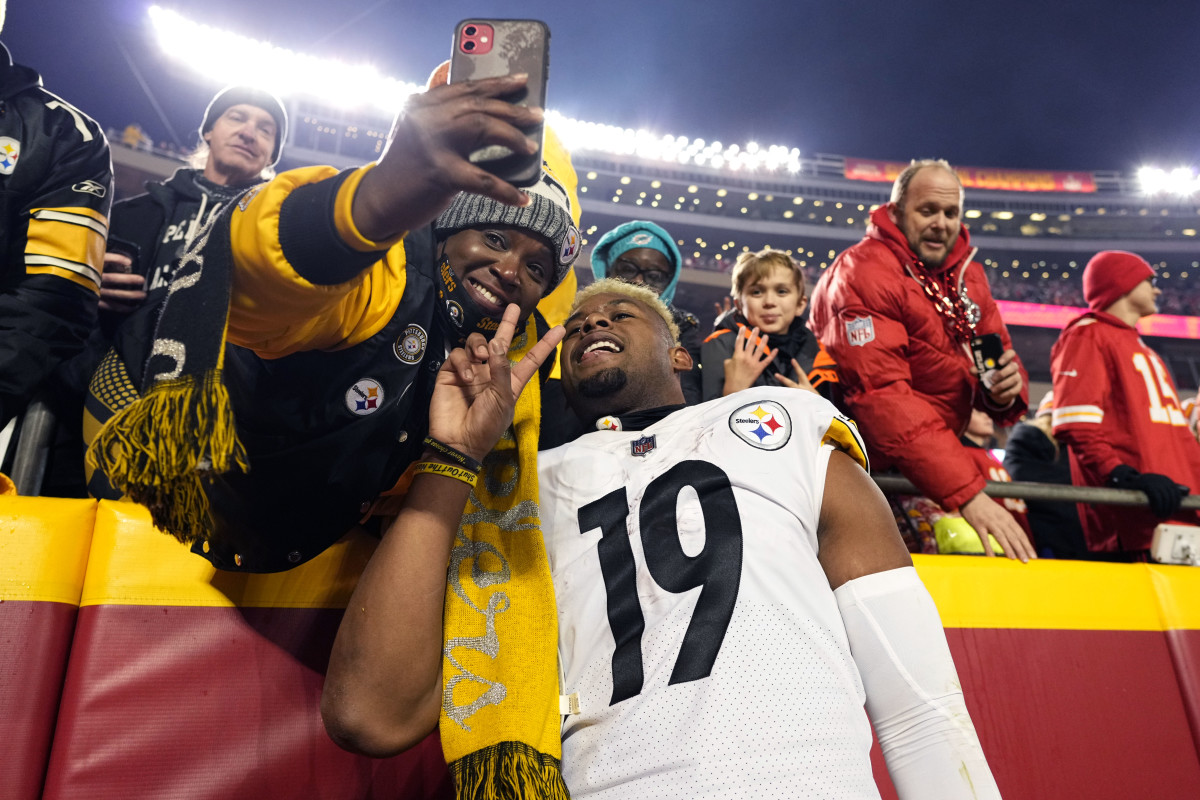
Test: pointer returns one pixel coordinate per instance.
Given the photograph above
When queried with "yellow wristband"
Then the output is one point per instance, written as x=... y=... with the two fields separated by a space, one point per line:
x=448 y=470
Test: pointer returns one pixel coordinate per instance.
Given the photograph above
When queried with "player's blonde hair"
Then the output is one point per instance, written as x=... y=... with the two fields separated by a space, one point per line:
x=633 y=291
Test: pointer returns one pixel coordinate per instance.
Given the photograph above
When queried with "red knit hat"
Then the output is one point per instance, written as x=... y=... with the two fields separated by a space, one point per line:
x=1110 y=275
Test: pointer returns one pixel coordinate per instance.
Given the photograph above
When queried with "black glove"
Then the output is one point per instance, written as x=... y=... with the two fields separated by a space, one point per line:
x=1164 y=494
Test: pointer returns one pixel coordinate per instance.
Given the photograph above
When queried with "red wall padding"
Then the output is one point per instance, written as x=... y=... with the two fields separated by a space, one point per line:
x=35 y=638
x=220 y=703
x=44 y=547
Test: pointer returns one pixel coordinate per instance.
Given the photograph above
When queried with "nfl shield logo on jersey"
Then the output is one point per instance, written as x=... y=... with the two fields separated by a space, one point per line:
x=860 y=331
x=765 y=425
x=642 y=446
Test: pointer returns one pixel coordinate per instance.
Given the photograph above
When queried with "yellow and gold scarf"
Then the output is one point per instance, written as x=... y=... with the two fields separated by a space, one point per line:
x=500 y=724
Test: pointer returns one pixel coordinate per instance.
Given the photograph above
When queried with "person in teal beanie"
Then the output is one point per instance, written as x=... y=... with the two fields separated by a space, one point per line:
x=642 y=252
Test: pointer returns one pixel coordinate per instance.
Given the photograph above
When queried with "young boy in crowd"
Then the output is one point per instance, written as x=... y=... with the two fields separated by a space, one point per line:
x=765 y=341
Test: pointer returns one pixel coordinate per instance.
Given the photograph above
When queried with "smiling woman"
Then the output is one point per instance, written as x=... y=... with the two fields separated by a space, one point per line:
x=497 y=266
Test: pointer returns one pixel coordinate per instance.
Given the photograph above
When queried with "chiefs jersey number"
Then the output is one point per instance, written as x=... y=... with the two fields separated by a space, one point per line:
x=1165 y=407
x=717 y=568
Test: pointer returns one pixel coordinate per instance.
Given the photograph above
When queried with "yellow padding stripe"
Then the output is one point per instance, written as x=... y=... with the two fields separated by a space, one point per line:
x=978 y=592
x=132 y=563
x=1178 y=590
x=44 y=544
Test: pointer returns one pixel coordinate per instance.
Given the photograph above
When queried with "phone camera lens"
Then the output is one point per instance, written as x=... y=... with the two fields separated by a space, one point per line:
x=468 y=46
x=470 y=30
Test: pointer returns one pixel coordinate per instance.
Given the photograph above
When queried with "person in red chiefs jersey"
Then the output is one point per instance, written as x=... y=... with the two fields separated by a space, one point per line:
x=1117 y=408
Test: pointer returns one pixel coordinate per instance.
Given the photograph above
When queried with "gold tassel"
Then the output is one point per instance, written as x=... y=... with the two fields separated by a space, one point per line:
x=509 y=771
x=157 y=449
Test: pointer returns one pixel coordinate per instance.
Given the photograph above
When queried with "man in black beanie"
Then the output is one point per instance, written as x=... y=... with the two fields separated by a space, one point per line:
x=241 y=141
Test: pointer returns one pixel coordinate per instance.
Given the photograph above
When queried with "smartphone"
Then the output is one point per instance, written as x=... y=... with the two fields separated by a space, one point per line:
x=986 y=349
x=489 y=48
x=128 y=249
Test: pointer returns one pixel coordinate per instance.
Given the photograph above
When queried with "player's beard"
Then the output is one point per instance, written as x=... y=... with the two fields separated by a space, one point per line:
x=604 y=383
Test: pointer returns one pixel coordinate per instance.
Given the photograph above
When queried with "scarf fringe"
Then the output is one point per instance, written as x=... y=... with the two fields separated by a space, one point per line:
x=509 y=771
x=158 y=449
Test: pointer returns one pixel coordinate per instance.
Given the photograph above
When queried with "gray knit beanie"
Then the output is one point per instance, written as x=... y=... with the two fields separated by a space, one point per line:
x=548 y=216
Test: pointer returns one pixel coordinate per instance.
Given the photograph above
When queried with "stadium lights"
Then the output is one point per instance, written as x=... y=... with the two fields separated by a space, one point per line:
x=227 y=58
x=1181 y=181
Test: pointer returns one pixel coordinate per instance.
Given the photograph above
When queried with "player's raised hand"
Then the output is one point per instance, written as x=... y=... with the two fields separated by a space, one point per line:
x=477 y=387
x=750 y=357
x=426 y=161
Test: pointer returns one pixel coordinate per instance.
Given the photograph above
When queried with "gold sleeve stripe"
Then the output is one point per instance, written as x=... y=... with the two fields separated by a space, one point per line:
x=76 y=216
x=75 y=247
x=82 y=274
x=343 y=219
x=843 y=434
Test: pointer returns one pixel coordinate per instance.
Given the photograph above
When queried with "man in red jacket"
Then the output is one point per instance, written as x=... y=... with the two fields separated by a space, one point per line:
x=1116 y=406
x=898 y=311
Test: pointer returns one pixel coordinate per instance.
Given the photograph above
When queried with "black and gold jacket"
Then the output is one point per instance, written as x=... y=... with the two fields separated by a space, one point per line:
x=55 y=194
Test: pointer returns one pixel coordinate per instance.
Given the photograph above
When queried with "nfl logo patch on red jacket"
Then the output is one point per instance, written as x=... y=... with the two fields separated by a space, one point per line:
x=860 y=331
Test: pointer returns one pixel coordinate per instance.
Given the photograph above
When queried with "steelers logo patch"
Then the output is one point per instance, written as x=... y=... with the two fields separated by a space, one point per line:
x=570 y=245
x=456 y=313
x=411 y=345
x=364 y=397
x=764 y=425
x=10 y=152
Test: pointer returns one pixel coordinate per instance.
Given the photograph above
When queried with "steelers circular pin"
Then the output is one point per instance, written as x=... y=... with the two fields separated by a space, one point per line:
x=410 y=346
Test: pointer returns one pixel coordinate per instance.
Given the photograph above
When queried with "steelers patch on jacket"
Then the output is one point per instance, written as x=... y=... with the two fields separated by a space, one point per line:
x=10 y=151
x=410 y=346
x=570 y=245
x=608 y=424
x=456 y=313
x=764 y=425
x=860 y=331
x=364 y=397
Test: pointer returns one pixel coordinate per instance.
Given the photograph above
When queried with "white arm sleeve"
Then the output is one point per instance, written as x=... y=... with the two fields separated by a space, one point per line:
x=914 y=698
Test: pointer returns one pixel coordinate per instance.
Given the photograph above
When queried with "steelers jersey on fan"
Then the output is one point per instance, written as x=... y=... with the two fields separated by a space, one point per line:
x=695 y=624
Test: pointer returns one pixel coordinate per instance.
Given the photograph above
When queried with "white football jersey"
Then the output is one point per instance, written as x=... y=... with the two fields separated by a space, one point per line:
x=695 y=623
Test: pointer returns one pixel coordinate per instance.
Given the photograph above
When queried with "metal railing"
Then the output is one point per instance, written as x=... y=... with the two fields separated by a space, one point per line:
x=1098 y=495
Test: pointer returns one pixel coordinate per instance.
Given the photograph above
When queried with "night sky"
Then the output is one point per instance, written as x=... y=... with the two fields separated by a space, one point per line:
x=1070 y=85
